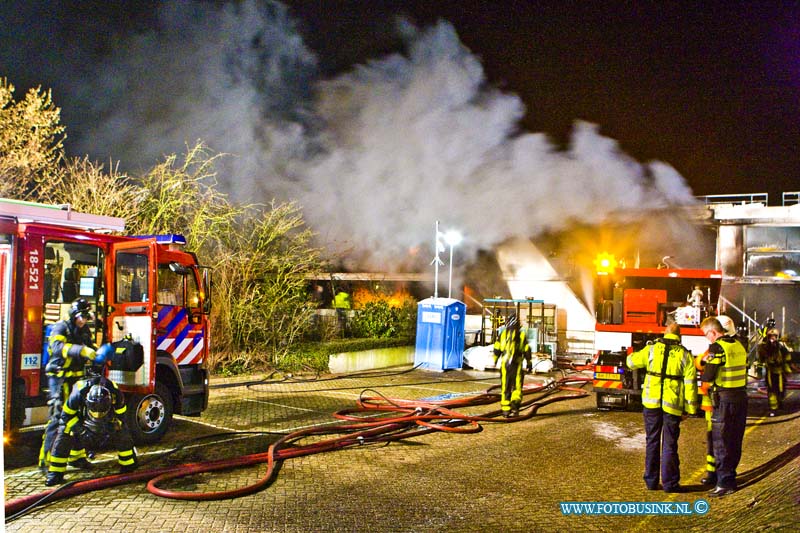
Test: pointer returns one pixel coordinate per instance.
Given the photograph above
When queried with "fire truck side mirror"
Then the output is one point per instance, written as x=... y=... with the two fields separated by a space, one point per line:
x=207 y=285
x=179 y=269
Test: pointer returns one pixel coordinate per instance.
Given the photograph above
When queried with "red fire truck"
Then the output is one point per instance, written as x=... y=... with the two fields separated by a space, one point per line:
x=147 y=289
x=633 y=307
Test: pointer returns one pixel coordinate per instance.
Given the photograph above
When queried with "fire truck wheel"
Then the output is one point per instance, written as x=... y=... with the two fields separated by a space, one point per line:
x=149 y=415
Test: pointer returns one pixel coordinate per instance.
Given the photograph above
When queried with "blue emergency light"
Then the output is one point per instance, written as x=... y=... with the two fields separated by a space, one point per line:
x=166 y=238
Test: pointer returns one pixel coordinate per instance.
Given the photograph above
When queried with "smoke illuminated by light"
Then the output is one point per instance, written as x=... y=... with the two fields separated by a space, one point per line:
x=374 y=155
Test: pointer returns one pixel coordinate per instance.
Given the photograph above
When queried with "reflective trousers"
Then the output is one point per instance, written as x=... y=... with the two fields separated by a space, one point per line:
x=511 y=378
x=775 y=389
x=59 y=390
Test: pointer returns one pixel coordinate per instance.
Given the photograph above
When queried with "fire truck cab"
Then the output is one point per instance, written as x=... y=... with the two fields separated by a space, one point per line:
x=147 y=289
x=633 y=307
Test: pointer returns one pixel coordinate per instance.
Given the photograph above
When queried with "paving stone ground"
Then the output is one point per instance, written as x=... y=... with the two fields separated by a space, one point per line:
x=507 y=477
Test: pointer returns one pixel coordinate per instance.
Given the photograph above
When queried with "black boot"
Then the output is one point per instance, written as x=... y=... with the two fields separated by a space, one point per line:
x=54 y=478
x=124 y=469
x=82 y=464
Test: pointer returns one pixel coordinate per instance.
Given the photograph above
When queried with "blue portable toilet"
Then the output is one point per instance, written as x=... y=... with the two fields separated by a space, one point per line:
x=440 y=334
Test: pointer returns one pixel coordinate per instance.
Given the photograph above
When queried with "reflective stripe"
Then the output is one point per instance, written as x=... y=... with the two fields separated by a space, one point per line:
x=80 y=454
x=58 y=464
x=122 y=410
x=71 y=423
x=126 y=458
x=671 y=405
x=733 y=372
x=69 y=410
x=76 y=454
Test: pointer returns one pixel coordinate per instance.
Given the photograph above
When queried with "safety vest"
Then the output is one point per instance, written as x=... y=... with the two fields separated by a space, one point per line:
x=732 y=371
x=672 y=388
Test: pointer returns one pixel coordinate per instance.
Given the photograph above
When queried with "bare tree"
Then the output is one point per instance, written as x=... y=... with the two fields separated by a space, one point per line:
x=31 y=142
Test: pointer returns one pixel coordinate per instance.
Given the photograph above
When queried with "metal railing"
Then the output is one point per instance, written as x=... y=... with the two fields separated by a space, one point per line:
x=787 y=198
x=790 y=198
x=753 y=330
x=736 y=199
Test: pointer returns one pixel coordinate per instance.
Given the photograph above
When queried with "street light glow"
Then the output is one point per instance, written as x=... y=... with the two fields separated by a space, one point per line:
x=453 y=238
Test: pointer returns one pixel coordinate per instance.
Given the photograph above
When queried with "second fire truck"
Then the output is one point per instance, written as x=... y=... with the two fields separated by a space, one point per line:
x=633 y=307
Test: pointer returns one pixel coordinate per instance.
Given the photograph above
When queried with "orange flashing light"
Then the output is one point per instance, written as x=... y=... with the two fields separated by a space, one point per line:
x=605 y=263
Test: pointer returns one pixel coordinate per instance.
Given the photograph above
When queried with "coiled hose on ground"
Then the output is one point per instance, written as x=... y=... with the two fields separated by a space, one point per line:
x=393 y=419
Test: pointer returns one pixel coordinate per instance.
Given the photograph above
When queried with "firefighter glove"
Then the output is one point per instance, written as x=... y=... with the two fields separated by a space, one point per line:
x=88 y=353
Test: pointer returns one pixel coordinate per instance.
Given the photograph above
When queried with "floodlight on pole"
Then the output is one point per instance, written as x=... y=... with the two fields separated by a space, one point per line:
x=452 y=238
x=439 y=247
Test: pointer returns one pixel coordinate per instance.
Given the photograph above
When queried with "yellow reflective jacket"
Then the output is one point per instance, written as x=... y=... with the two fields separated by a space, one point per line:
x=512 y=346
x=728 y=369
x=673 y=387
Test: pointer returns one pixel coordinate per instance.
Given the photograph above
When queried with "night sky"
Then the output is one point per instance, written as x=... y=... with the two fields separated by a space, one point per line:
x=712 y=88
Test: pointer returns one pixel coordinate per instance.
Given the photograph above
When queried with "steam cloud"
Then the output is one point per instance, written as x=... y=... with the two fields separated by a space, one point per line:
x=375 y=156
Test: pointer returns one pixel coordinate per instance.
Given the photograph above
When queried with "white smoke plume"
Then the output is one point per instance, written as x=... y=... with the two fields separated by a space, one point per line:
x=375 y=156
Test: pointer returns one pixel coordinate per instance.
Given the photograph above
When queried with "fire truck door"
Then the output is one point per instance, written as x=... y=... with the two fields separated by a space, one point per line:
x=131 y=287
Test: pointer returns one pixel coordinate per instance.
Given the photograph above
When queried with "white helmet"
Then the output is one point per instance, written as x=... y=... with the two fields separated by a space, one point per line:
x=727 y=324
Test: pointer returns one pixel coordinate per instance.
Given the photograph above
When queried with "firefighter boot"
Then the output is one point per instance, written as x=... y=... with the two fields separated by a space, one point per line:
x=130 y=463
x=54 y=478
x=81 y=463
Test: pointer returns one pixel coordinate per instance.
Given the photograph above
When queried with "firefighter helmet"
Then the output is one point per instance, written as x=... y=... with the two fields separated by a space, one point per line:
x=727 y=324
x=512 y=321
x=773 y=332
x=80 y=307
x=98 y=401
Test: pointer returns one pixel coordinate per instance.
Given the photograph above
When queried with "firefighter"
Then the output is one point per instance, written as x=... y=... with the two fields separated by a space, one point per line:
x=710 y=477
x=511 y=348
x=696 y=297
x=725 y=377
x=70 y=344
x=341 y=302
x=669 y=395
x=92 y=418
x=776 y=360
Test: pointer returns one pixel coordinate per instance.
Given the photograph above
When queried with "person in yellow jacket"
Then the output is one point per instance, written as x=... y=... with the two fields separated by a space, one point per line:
x=725 y=376
x=511 y=348
x=669 y=395
x=776 y=360
x=710 y=477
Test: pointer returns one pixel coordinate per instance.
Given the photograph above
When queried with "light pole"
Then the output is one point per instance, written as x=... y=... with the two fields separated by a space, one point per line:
x=452 y=238
x=436 y=261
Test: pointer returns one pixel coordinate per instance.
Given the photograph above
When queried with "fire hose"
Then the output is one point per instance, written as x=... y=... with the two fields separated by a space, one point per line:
x=396 y=419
